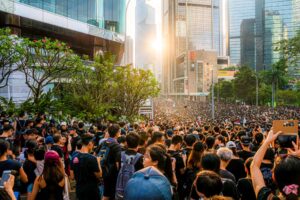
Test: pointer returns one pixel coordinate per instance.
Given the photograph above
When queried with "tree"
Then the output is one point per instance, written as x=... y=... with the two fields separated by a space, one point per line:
x=11 y=53
x=245 y=84
x=135 y=86
x=46 y=62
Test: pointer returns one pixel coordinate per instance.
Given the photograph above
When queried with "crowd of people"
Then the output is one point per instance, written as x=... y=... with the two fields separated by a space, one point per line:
x=181 y=154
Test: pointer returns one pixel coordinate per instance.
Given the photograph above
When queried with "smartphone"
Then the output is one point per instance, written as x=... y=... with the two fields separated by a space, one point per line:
x=289 y=134
x=5 y=176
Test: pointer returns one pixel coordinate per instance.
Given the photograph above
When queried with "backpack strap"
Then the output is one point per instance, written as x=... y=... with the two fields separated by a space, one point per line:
x=136 y=158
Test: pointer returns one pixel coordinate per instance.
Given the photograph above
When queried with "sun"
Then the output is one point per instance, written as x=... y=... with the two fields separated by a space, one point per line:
x=157 y=45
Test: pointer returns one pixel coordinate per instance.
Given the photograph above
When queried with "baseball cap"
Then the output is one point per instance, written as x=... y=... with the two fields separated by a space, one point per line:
x=245 y=140
x=169 y=132
x=52 y=157
x=152 y=184
x=230 y=145
x=63 y=123
x=49 y=140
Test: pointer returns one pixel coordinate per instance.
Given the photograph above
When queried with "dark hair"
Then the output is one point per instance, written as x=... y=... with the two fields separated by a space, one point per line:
x=121 y=139
x=259 y=137
x=156 y=136
x=86 y=139
x=143 y=138
x=113 y=130
x=39 y=153
x=132 y=140
x=221 y=138
x=56 y=138
x=53 y=172
x=122 y=124
x=208 y=183
x=4 y=145
x=79 y=144
x=38 y=120
x=195 y=156
x=287 y=172
x=211 y=161
x=31 y=145
x=201 y=137
x=189 y=139
x=164 y=163
x=7 y=128
x=177 y=139
x=80 y=125
x=210 y=141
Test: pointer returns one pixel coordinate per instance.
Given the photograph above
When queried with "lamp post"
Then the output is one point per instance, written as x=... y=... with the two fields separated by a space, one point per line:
x=212 y=95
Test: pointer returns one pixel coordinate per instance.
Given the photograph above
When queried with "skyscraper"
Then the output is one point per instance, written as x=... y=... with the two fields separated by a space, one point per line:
x=239 y=10
x=247 y=38
x=189 y=27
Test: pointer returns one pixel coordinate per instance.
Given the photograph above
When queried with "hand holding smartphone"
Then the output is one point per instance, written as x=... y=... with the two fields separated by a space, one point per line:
x=289 y=134
x=5 y=176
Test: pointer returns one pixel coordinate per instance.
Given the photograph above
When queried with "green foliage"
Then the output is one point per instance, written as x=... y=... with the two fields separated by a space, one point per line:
x=11 y=53
x=245 y=84
x=8 y=106
x=225 y=91
x=288 y=97
x=45 y=62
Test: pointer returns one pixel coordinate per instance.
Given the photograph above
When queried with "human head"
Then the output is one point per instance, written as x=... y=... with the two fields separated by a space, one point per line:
x=53 y=169
x=287 y=173
x=114 y=131
x=31 y=134
x=259 y=137
x=210 y=141
x=224 y=154
x=151 y=184
x=208 y=184
x=220 y=140
x=189 y=140
x=132 y=140
x=4 y=146
x=177 y=141
x=211 y=161
x=87 y=142
x=157 y=137
x=8 y=130
x=57 y=138
x=157 y=156
x=194 y=159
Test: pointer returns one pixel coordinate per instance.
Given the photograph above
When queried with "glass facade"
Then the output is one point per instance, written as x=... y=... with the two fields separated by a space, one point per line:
x=238 y=11
x=104 y=14
x=248 y=43
x=281 y=21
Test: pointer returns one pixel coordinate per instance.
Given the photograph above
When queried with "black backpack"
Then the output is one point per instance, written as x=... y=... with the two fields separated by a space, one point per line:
x=104 y=154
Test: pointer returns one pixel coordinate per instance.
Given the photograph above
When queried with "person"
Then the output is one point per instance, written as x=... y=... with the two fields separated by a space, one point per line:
x=157 y=156
x=9 y=164
x=30 y=165
x=87 y=171
x=244 y=185
x=193 y=167
x=131 y=161
x=208 y=184
x=225 y=155
x=245 y=153
x=180 y=160
x=51 y=183
x=75 y=138
x=151 y=184
x=210 y=142
x=111 y=162
x=286 y=172
x=236 y=164
x=57 y=139
x=189 y=140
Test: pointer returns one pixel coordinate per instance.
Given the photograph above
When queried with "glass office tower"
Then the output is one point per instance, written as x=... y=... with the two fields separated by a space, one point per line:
x=239 y=10
x=106 y=14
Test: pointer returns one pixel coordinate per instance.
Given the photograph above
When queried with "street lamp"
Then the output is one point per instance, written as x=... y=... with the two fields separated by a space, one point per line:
x=212 y=95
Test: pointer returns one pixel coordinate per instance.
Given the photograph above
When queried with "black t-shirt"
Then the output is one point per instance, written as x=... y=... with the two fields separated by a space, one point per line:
x=245 y=189
x=236 y=167
x=227 y=174
x=139 y=164
x=9 y=165
x=74 y=141
x=178 y=166
x=58 y=149
x=266 y=194
x=84 y=166
x=29 y=168
x=245 y=154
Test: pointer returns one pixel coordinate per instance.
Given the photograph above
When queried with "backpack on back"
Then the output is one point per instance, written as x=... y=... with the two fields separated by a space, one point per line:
x=127 y=170
x=104 y=155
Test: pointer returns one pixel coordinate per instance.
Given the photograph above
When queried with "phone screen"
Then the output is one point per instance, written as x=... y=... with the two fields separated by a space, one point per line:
x=5 y=177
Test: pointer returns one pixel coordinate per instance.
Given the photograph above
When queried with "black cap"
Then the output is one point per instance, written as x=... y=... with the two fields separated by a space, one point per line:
x=246 y=140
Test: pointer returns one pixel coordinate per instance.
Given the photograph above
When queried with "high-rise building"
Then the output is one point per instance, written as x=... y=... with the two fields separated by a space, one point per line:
x=190 y=26
x=89 y=27
x=247 y=38
x=239 y=10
